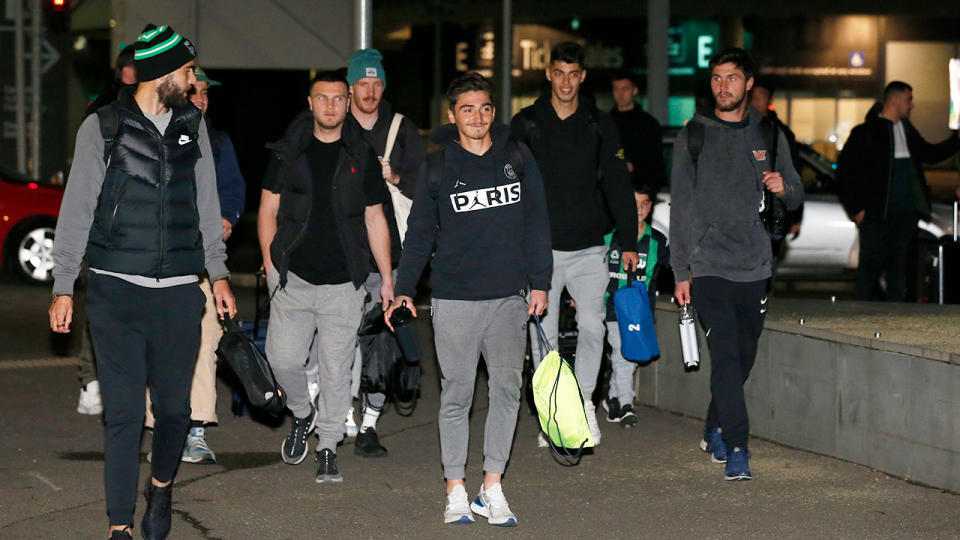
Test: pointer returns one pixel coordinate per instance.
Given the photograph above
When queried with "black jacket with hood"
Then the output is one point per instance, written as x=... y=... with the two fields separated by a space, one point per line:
x=865 y=167
x=487 y=219
x=289 y=162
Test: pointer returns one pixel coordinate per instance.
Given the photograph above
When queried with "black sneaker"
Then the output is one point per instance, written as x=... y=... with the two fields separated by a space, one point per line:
x=294 y=448
x=367 y=444
x=614 y=412
x=327 y=469
x=156 y=519
x=627 y=418
x=121 y=534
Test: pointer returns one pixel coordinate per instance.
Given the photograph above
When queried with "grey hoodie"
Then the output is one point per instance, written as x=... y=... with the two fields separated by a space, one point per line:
x=715 y=227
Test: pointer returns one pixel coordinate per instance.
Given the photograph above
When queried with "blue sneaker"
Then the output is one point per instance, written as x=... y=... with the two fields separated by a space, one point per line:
x=712 y=443
x=738 y=464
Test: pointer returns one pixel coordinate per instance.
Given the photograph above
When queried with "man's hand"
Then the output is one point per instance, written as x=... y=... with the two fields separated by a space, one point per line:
x=858 y=217
x=774 y=182
x=630 y=166
x=227 y=228
x=682 y=293
x=630 y=260
x=386 y=291
x=61 y=314
x=397 y=302
x=538 y=302
x=223 y=299
x=388 y=173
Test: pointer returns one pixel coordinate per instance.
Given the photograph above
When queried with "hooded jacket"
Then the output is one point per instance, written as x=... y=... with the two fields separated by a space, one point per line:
x=865 y=167
x=488 y=221
x=296 y=196
x=715 y=227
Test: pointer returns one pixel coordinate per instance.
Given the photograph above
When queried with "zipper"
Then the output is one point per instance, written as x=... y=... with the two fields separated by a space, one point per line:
x=162 y=183
x=893 y=148
x=116 y=206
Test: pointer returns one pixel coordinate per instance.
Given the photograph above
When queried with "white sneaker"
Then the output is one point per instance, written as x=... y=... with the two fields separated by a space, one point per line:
x=351 y=425
x=542 y=441
x=591 y=411
x=90 y=402
x=492 y=505
x=457 y=510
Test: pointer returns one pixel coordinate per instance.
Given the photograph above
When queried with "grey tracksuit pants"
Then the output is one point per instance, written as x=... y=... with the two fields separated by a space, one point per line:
x=584 y=273
x=621 y=377
x=332 y=312
x=463 y=330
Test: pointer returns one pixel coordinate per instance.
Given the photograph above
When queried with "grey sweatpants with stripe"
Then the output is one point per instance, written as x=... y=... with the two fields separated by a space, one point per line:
x=463 y=330
x=585 y=275
x=332 y=312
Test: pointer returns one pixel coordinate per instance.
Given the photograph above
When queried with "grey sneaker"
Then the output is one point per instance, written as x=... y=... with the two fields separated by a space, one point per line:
x=196 y=449
x=294 y=448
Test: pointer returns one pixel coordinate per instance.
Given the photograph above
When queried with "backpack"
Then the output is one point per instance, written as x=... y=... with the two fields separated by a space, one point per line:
x=109 y=118
x=773 y=211
x=436 y=163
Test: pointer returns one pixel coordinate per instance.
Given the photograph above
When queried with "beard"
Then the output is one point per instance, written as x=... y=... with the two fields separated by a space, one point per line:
x=367 y=105
x=732 y=106
x=172 y=96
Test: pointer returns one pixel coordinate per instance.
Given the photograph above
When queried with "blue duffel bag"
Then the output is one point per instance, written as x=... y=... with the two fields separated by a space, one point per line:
x=638 y=337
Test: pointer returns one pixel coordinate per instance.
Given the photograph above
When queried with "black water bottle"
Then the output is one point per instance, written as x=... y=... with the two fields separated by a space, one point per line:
x=402 y=321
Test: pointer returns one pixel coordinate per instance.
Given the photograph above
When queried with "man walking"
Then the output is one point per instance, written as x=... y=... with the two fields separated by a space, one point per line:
x=578 y=148
x=321 y=216
x=640 y=135
x=375 y=119
x=885 y=191
x=718 y=242
x=486 y=259
x=141 y=206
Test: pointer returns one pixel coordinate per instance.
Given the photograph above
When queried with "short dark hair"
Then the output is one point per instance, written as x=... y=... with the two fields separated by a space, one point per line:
x=567 y=52
x=644 y=189
x=332 y=75
x=764 y=83
x=124 y=59
x=623 y=74
x=735 y=56
x=895 y=87
x=468 y=82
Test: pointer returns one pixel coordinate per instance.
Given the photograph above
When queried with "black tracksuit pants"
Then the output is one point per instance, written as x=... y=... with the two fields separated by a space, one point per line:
x=885 y=247
x=141 y=337
x=732 y=315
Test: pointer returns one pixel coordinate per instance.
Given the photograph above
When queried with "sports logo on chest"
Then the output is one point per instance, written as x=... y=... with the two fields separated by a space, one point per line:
x=760 y=155
x=482 y=199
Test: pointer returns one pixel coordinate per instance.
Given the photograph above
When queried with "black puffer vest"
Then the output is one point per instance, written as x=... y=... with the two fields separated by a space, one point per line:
x=296 y=197
x=146 y=222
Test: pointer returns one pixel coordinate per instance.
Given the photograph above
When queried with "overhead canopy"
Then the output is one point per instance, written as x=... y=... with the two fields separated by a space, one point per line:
x=248 y=34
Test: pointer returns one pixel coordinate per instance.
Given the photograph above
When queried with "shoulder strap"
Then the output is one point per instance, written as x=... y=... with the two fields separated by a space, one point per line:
x=696 y=133
x=392 y=135
x=593 y=120
x=435 y=173
x=530 y=126
x=109 y=124
x=515 y=157
x=771 y=135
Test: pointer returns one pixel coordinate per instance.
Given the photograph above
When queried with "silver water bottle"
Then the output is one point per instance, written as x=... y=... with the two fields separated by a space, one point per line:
x=688 y=337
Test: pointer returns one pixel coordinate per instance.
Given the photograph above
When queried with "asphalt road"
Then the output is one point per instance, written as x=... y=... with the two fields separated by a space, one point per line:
x=649 y=482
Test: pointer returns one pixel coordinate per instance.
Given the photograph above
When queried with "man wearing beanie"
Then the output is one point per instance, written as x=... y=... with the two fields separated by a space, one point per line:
x=375 y=119
x=141 y=207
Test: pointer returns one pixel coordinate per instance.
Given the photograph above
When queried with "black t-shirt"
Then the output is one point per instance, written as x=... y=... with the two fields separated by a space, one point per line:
x=319 y=258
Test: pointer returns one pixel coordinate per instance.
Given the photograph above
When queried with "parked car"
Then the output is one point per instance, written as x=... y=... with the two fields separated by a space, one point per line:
x=826 y=246
x=28 y=217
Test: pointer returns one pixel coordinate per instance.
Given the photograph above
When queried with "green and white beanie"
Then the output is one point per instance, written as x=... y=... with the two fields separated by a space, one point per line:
x=160 y=50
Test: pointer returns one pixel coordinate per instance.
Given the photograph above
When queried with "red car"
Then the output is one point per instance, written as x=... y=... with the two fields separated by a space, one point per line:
x=28 y=216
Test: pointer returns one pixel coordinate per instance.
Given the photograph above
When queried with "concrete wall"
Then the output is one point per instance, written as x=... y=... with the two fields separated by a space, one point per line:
x=888 y=406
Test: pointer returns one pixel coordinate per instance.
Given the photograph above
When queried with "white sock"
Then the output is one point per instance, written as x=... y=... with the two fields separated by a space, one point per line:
x=370 y=416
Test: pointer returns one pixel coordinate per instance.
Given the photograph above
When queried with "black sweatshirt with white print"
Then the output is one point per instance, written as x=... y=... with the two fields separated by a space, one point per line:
x=488 y=222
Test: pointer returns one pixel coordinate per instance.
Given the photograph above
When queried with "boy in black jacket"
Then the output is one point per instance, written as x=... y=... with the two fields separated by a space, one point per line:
x=651 y=246
x=480 y=201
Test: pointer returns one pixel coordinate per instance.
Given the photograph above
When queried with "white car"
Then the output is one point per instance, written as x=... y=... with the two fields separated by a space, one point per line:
x=826 y=246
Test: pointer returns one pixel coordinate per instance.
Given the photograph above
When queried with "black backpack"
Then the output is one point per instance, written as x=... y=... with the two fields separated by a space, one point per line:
x=773 y=213
x=251 y=367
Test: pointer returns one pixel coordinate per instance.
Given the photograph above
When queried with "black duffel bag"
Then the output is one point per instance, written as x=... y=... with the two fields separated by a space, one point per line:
x=250 y=365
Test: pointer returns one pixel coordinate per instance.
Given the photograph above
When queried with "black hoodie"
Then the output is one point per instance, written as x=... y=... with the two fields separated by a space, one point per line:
x=492 y=236
x=584 y=173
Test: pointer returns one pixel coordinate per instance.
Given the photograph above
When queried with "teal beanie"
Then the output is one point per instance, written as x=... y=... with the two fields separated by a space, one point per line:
x=366 y=63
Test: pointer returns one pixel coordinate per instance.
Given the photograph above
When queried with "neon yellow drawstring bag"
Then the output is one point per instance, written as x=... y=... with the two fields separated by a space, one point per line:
x=559 y=401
